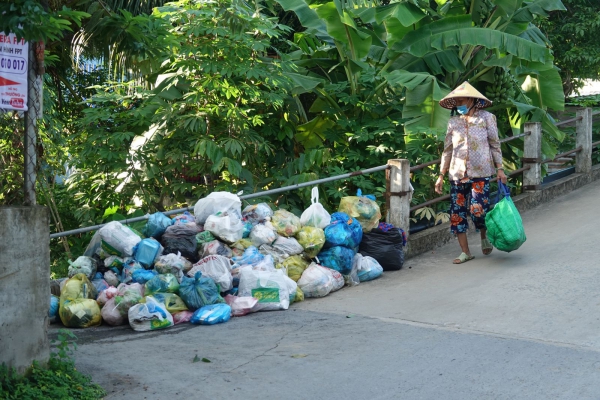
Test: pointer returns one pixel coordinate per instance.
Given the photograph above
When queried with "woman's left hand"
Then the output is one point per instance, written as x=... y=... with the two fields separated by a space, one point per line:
x=502 y=176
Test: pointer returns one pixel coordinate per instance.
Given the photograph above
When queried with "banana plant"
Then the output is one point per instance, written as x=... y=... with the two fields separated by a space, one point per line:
x=417 y=53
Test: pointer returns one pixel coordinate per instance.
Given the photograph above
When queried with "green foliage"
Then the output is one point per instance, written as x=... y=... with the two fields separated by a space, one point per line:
x=574 y=37
x=59 y=380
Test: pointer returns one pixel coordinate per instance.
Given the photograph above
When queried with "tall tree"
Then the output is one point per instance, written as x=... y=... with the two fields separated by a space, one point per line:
x=574 y=36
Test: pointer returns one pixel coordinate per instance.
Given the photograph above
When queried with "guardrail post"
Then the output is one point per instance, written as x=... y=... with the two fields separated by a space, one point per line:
x=399 y=194
x=583 y=159
x=532 y=156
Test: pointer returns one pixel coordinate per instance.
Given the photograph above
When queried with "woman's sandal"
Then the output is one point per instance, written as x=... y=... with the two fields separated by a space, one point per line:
x=463 y=258
x=486 y=247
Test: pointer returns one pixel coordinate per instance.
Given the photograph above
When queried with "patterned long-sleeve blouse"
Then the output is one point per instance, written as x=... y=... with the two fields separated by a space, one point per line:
x=471 y=149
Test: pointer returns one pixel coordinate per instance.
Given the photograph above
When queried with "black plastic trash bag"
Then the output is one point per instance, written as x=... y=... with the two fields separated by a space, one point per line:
x=385 y=247
x=181 y=239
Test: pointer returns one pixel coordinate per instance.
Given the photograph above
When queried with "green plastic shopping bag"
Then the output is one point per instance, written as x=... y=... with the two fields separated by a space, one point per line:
x=504 y=225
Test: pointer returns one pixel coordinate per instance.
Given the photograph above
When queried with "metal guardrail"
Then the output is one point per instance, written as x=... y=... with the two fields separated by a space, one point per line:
x=246 y=197
x=339 y=177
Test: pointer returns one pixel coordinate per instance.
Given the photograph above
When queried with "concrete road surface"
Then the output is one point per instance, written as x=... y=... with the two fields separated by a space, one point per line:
x=524 y=325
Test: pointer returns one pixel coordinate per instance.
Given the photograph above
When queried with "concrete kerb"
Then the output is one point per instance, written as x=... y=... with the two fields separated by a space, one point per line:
x=439 y=235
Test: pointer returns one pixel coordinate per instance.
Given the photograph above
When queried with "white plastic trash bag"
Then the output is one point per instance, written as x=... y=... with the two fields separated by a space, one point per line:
x=288 y=245
x=216 y=267
x=315 y=215
x=240 y=306
x=316 y=281
x=229 y=228
x=270 y=288
x=223 y=202
x=149 y=316
x=338 y=279
x=263 y=234
x=118 y=239
x=111 y=278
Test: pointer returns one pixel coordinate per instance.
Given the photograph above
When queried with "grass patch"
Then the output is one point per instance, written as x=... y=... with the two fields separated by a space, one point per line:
x=59 y=380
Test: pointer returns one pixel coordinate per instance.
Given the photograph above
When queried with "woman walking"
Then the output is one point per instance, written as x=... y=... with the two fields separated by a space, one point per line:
x=471 y=156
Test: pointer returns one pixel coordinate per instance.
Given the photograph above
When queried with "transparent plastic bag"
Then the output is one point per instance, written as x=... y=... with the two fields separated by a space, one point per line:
x=77 y=287
x=111 y=314
x=316 y=281
x=263 y=233
x=288 y=245
x=367 y=268
x=216 y=267
x=315 y=215
x=216 y=202
x=111 y=278
x=149 y=316
x=228 y=228
x=172 y=264
x=338 y=279
x=216 y=247
x=128 y=296
x=106 y=295
x=311 y=239
x=129 y=267
x=83 y=265
x=257 y=213
x=285 y=223
x=182 y=316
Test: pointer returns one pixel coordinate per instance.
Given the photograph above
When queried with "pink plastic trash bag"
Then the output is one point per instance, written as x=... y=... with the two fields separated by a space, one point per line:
x=240 y=305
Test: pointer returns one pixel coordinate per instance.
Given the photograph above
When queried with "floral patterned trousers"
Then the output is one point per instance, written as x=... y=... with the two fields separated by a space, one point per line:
x=471 y=196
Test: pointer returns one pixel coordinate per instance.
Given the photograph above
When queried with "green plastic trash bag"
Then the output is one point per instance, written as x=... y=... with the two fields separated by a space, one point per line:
x=504 y=225
x=311 y=239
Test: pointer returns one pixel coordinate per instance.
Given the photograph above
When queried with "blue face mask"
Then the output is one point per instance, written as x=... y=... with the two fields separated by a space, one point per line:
x=462 y=110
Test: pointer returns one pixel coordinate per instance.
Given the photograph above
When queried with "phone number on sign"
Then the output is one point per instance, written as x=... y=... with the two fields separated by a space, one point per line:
x=12 y=64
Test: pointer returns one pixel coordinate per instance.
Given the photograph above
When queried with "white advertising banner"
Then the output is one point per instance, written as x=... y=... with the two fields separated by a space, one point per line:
x=13 y=72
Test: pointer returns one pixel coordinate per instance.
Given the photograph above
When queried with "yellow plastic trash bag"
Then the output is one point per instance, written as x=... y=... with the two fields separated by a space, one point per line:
x=80 y=313
x=295 y=266
x=311 y=239
x=78 y=287
x=299 y=295
x=172 y=302
x=363 y=209
x=286 y=223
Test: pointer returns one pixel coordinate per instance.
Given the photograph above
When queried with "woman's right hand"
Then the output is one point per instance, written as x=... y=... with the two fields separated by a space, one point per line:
x=439 y=184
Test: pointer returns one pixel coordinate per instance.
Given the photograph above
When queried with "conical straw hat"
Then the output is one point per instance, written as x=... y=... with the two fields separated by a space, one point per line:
x=464 y=90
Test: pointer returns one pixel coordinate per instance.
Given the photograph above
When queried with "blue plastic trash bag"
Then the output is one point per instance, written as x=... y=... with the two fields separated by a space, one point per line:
x=157 y=225
x=338 y=258
x=53 y=311
x=343 y=231
x=368 y=196
x=98 y=276
x=199 y=291
x=251 y=256
x=129 y=266
x=146 y=251
x=143 y=275
x=212 y=314
x=165 y=283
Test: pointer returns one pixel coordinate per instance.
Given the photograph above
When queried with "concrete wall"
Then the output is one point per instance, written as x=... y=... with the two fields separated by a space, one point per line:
x=431 y=238
x=24 y=285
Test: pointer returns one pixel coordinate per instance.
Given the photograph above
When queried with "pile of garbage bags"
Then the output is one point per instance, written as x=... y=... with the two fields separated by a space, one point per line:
x=223 y=261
